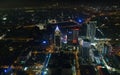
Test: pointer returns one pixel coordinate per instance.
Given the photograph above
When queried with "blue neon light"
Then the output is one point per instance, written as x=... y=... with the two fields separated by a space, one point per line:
x=5 y=70
x=44 y=42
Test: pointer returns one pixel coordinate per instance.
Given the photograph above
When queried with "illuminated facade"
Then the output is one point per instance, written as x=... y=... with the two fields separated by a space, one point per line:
x=57 y=38
x=72 y=36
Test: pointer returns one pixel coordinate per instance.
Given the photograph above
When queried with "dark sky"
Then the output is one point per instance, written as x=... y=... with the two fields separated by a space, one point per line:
x=30 y=3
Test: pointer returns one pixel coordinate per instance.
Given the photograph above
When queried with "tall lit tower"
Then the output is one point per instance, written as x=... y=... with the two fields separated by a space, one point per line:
x=57 y=38
x=91 y=30
x=72 y=36
x=75 y=35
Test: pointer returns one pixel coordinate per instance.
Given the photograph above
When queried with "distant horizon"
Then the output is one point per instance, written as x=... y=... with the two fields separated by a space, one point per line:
x=39 y=3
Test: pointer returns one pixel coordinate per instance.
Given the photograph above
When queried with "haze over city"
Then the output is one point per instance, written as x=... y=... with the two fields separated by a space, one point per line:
x=59 y=37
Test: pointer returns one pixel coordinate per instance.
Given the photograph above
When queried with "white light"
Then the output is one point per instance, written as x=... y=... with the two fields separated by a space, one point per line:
x=57 y=29
x=1 y=37
x=41 y=26
x=113 y=69
x=117 y=39
x=8 y=30
x=46 y=69
x=36 y=67
x=94 y=44
x=25 y=68
x=45 y=72
x=11 y=74
x=4 y=18
x=106 y=17
x=103 y=66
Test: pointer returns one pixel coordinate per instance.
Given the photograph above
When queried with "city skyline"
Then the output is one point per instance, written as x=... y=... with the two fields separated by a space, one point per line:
x=27 y=3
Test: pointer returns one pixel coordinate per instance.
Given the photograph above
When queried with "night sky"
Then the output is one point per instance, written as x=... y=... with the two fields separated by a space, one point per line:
x=27 y=3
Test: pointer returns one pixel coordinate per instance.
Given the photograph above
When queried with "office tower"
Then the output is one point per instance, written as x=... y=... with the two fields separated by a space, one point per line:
x=57 y=38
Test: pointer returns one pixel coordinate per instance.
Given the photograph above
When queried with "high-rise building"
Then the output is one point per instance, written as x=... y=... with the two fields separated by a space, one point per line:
x=72 y=36
x=69 y=36
x=57 y=38
x=75 y=36
x=91 y=30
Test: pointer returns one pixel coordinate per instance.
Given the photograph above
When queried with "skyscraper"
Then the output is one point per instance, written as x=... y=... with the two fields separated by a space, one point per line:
x=91 y=30
x=57 y=38
x=72 y=36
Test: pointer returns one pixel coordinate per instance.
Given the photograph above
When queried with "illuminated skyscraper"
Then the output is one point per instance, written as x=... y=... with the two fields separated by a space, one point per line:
x=75 y=35
x=69 y=36
x=57 y=38
x=72 y=36
x=91 y=30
